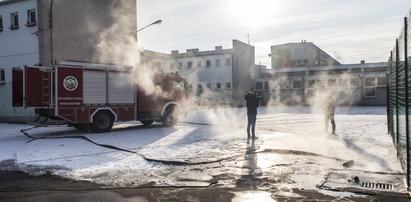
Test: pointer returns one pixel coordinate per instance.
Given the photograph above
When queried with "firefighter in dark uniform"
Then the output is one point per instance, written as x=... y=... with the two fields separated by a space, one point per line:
x=253 y=102
x=329 y=106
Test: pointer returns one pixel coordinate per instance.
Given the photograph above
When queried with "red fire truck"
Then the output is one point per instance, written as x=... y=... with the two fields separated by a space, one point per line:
x=94 y=96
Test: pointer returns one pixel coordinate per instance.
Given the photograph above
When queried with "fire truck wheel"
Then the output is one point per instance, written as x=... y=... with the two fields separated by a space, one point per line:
x=102 y=122
x=170 y=117
x=147 y=122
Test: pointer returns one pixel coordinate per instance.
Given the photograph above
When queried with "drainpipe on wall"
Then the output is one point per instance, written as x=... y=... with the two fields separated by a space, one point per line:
x=51 y=32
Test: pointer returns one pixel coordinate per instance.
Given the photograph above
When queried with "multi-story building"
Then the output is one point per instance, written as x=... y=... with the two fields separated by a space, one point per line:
x=46 y=32
x=349 y=84
x=19 y=47
x=219 y=76
x=304 y=54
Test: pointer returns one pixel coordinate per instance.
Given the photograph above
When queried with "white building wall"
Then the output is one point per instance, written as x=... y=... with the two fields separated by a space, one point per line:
x=18 y=47
x=203 y=74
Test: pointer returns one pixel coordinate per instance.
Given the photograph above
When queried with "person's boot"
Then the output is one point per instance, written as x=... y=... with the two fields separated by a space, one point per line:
x=254 y=137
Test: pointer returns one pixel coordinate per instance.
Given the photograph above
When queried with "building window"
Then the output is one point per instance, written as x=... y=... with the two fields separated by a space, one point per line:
x=302 y=62
x=228 y=85
x=189 y=65
x=217 y=62
x=180 y=65
x=370 y=81
x=1 y=23
x=199 y=64
x=321 y=83
x=310 y=93
x=190 y=87
x=286 y=84
x=381 y=81
x=199 y=89
x=310 y=83
x=369 y=92
x=218 y=86
x=14 y=20
x=158 y=65
x=355 y=82
x=31 y=17
x=258 y=85
x=209 y=85
x=297 y=84
x=332 y=83
x=266 y=85
x=2 y=76
x=208 y=63
x=343 y=82
x=228 y=62
x=171 y=66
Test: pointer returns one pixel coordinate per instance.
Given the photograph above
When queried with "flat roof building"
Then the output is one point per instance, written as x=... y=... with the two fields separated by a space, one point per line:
x=304 y=54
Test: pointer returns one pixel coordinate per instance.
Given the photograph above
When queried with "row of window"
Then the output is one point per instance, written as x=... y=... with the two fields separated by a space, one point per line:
x=199 y=64
x=368 y=92
x=189 y=64
x=210 y=86
x=302 y=62
x=14 y=19
x=330 y=83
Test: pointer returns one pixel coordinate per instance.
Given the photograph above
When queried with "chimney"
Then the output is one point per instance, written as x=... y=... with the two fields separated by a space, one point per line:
x=174 y=52
x=218 y=49
x=362 y=62
x=193 y=51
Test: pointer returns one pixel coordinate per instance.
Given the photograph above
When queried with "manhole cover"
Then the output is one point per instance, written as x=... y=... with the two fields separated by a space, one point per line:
x=391 y=184
x=375 y=185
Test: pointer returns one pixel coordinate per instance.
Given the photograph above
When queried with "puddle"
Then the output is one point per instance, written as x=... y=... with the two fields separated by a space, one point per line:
x=341 y=194
x=260 y=196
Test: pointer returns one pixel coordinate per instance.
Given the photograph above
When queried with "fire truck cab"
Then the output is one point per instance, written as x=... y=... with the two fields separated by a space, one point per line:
x=94 y=96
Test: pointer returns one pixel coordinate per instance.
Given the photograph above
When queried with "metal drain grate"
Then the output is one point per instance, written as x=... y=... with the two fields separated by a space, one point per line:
x=377 y=185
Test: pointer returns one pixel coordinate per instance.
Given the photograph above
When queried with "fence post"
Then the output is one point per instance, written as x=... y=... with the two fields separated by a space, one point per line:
x=406 y=99
x=387 y=91
x=396 y=98
x=390 y=90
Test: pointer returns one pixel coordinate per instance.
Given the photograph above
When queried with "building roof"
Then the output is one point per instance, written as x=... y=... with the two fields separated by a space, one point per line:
x=149 y=53
x=5 y=2
x=197 y=53
x=304 y=43
x=189 y=53
x=293 y=44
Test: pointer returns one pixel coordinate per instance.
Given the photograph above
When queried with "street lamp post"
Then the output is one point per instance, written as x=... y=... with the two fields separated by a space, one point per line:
x=154 y=23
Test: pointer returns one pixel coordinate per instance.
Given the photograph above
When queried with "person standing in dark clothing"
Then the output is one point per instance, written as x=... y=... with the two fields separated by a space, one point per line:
x=252 y=103
x=329 y=107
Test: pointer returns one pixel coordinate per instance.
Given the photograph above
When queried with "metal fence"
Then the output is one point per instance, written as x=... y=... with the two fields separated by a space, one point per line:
x=398 y=93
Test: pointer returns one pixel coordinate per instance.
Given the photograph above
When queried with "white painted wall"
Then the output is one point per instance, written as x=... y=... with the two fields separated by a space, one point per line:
x=18 y=47
x=204 y=75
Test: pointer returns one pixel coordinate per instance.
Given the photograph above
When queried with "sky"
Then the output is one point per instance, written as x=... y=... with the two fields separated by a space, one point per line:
x=348 y=30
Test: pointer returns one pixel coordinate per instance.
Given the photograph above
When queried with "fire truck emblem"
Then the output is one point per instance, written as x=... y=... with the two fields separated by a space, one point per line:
x=70 y=83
